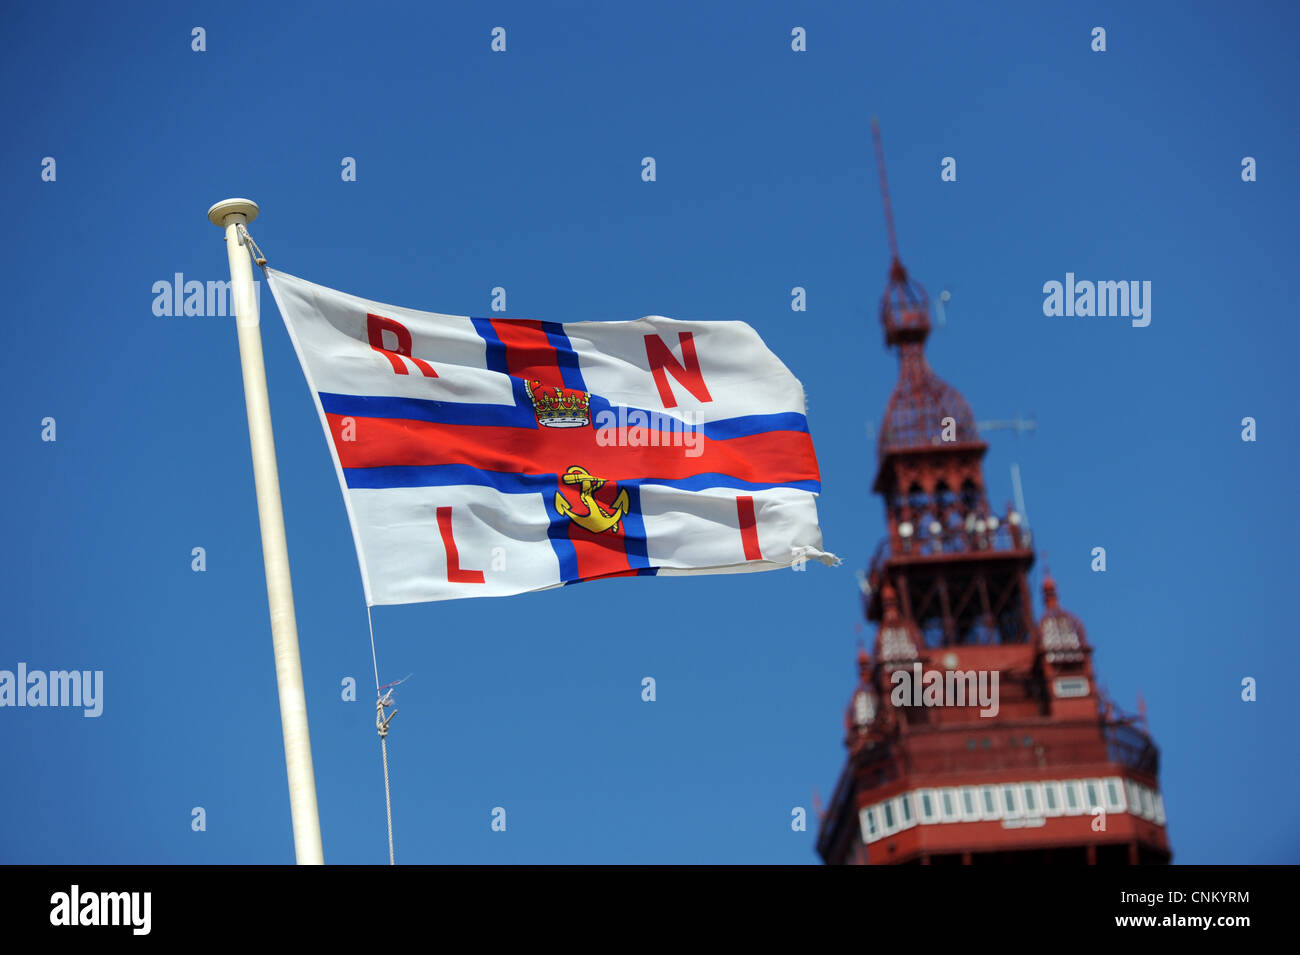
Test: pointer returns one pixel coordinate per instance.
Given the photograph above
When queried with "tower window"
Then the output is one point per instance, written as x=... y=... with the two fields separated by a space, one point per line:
x=1011 y=626
x=949 y=809
x=1051 y=796
x=1114 y=802
x=953 y=538
x=1030 y=798
x=1072 y=797
x=870 y=824
x=944 y=497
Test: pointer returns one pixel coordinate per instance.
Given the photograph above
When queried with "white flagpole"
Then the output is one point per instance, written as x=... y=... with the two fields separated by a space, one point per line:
x=230 y=215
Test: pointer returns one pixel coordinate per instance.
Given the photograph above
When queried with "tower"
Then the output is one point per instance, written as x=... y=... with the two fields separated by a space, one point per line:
x=976 y=732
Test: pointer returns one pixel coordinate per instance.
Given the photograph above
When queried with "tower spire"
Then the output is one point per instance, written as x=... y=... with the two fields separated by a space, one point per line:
x=884 y=193
x=905 y=308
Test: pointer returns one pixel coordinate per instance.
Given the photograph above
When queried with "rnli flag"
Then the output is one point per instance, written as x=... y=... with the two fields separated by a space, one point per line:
x=490 y=456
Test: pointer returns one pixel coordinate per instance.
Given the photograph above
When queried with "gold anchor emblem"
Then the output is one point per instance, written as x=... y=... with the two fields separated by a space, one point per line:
x=597 y=519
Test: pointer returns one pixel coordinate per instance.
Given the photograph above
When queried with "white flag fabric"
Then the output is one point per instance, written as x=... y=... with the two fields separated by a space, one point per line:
x=494 y=456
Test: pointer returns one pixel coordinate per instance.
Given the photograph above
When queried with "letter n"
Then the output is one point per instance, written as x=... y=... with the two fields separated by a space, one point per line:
x=454 y=572
x=663 y=362
x=376 y=325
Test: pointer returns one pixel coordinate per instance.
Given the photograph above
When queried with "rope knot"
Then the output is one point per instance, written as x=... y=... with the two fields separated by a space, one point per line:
x=247 y=240
x=382 y=721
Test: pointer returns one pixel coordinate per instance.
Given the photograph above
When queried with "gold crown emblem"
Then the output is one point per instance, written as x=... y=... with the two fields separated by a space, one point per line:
x=559 y=407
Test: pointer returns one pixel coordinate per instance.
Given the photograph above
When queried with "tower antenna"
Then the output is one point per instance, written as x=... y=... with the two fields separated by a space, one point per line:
x=1020 y=494
x=884 y=188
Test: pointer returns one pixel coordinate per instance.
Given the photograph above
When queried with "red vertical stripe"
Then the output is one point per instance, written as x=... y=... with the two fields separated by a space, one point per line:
x=529 y=353
x=748 y=527
x=600 y=555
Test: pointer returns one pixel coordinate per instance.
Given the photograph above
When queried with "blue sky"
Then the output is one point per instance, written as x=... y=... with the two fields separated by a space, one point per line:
x=522 y=170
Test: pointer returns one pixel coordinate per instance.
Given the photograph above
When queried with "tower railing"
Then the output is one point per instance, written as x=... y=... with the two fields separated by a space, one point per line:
x=1007 y=536
x=1124 y=744
x=1130 y=746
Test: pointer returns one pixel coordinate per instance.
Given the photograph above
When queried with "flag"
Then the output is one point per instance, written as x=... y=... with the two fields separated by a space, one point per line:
x=495 y=456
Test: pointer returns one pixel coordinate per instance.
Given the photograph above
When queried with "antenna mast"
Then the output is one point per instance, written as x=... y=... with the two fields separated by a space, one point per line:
x=884 y=188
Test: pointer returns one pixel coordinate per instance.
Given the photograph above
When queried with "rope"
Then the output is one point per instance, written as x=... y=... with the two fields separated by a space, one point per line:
x=382 y=723
x=373 y=658
x=247 y=240
x=382 y=702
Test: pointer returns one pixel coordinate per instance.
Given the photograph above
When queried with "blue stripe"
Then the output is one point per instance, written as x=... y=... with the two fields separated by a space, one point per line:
x=703 y=482
x=748 y=425
x=520 y=415
x=741 y=427
x=496 y=351
x=443 y=475
x=565 y=356
x=558 y=532
x=634 y=529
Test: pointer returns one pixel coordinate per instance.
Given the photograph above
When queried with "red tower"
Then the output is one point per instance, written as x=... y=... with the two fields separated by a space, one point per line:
x=976 y=733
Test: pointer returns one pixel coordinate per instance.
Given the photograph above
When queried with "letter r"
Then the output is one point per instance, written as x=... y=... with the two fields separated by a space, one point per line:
x=376 y=325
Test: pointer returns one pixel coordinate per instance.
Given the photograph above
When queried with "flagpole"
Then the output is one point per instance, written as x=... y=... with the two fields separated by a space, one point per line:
x=231 y=214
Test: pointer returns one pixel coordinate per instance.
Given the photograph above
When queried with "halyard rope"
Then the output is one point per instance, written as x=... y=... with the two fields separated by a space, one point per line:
x=382 y=702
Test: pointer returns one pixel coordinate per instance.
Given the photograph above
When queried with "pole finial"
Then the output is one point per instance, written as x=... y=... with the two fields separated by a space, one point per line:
x=228 y=207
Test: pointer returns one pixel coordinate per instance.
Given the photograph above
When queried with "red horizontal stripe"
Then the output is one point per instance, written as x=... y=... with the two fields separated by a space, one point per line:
x=775 y=457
